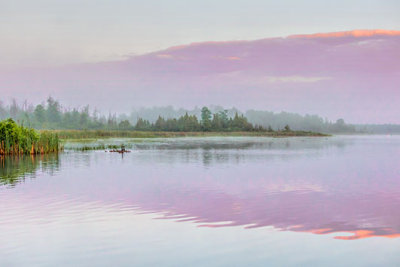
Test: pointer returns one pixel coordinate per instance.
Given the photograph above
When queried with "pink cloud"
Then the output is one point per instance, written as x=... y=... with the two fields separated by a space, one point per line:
x=354 y=33
x=352 y=74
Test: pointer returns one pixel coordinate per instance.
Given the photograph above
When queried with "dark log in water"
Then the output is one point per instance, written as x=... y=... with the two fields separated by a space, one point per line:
x=121 y=151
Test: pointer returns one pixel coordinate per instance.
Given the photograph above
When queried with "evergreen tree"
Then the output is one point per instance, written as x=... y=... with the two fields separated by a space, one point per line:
x=143 y=125
x=223 y=115
x=206 y=118
x=216 y=123
x=125 y=125
x=84 y=118
x=53 y=112
x=160 y=124
x=40 y=115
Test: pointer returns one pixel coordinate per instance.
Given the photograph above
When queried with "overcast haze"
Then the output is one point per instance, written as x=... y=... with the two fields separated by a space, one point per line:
x=49 y=32
x=115 y=55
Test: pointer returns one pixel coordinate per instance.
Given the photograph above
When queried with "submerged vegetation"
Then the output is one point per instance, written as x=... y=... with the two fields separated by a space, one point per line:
x=17 y=140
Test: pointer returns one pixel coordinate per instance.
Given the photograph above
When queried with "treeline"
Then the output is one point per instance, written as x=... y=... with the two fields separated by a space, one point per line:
x=217 y=122
x=298 y=122
x=265 y=119
x=52 y=115
x=378 y=128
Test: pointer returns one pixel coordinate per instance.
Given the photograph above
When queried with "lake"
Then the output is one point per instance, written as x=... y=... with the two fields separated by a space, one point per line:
x=329 y=201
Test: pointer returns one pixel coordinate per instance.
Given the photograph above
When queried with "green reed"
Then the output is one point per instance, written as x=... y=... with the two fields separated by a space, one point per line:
x=17 y=140
x=95 y=134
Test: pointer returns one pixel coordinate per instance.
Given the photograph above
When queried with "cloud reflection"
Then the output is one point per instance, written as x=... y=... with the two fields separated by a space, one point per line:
x=347 y=188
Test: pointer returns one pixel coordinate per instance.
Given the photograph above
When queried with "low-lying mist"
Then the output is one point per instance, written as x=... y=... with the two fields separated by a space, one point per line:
x=53 y=115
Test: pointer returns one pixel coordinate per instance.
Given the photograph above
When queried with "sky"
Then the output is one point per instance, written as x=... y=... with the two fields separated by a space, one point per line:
x=118 y=55
x=58 y=32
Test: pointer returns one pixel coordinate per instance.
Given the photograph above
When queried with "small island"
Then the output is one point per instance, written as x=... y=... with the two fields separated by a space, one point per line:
x=210 y=124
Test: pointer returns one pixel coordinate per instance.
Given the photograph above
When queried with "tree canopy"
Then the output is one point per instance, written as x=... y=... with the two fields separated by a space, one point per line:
x=52 y=115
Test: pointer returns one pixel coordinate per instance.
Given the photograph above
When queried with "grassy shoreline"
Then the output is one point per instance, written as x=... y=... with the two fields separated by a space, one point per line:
x=93 y=134
x=18 y=140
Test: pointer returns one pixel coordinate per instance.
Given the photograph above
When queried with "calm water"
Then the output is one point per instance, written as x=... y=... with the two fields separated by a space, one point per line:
x=206 y=202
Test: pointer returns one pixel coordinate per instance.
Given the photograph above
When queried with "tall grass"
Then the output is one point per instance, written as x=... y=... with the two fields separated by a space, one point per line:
x=17 y=140
x=93 y=134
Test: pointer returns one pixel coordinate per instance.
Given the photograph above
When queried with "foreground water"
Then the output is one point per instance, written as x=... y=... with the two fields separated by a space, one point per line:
x=206 y=201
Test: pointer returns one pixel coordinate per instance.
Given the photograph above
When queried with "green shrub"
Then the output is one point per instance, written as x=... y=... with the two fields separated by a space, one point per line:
x=16 y=139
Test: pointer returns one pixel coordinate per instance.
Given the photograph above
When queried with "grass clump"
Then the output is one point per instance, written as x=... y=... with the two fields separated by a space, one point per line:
x=18 y=140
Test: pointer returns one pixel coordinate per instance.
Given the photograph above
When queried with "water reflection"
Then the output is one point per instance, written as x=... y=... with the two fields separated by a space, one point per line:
x=14 y=169
x=346 y=186
x=212 y=143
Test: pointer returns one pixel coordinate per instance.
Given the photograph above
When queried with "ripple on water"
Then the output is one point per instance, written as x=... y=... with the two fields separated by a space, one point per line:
x=100 y=203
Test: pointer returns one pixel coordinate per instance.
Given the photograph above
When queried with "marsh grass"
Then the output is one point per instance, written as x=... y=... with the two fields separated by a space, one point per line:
x=94 y=134
x=18 y=140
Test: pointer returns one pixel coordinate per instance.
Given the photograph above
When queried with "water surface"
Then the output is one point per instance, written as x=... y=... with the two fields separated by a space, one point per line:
x=206 y=201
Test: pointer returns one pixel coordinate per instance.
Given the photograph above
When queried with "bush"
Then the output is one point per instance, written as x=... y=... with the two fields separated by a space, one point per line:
x=16 y=139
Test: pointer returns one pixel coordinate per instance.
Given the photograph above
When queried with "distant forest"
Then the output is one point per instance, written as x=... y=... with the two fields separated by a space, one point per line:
x=52 y=115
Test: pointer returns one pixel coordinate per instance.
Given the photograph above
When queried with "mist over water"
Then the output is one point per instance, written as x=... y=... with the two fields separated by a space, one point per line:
x=53 y=115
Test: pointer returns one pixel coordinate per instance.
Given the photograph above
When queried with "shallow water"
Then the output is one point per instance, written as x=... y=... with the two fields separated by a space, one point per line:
x=206 y=201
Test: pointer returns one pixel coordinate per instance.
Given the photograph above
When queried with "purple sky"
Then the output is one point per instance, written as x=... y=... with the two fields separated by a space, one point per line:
x=118 y=54
x=50 y=33
x=354 y=75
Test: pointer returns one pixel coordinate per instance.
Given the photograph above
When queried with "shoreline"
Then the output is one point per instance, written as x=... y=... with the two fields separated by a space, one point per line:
x=92 y=134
